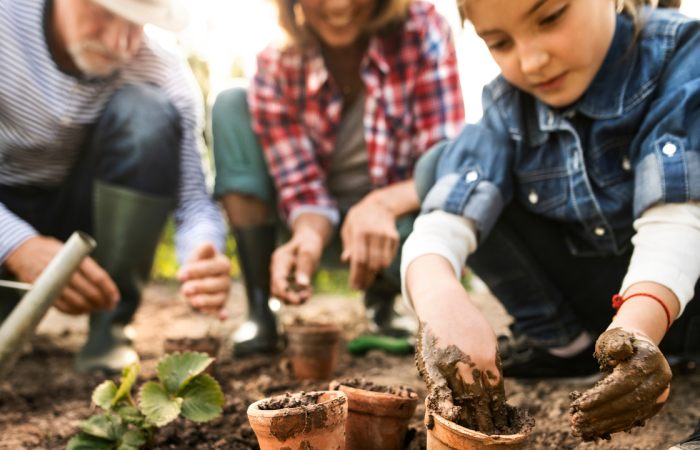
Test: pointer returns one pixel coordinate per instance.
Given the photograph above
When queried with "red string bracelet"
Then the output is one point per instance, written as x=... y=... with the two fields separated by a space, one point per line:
x=618 y=301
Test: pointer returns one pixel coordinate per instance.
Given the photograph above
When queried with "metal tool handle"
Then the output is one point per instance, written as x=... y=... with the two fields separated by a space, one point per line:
x=21 y=323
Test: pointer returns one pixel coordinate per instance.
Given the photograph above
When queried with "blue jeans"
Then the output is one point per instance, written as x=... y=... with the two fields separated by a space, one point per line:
x=553 y=295
x=135 y=144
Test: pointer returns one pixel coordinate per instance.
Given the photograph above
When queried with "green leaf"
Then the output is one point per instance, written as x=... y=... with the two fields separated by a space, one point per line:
x=157 y=405
x=176 y=370
x=87 y=442
x=103 y=395
x=129 y=376
x=132 y=415
x=131 y=440
x=105 y=426
x=202 y=399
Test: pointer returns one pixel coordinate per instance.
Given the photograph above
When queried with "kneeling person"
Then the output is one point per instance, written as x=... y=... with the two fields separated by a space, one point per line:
x=99 y=131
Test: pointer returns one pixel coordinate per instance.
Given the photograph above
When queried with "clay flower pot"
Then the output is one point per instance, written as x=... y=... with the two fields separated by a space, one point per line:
x=445 y=435
x=209 y=345
x=313 y=350
x=376 y=421
x=316 y=426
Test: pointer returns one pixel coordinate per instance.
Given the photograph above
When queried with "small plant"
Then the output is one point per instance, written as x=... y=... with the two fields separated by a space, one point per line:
x=183 y=388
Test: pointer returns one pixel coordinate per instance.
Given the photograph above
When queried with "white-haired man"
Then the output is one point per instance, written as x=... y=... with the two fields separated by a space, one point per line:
x=100 y=131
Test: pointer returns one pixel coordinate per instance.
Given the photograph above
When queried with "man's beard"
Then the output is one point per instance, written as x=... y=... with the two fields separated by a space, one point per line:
x=83 y=55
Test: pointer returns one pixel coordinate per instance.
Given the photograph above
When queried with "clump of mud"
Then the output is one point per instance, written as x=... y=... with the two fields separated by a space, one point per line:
x=288 y=401
x=366 y=385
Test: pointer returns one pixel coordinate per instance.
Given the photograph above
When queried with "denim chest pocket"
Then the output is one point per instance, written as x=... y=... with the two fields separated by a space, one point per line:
x=610 y=167
x=543 y=190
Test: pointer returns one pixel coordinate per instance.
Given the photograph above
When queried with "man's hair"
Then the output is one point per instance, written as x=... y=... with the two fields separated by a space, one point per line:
x=291 y=18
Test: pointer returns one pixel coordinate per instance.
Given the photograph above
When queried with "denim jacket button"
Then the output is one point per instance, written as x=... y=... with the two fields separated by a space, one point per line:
x=472 y=176
x=599 y=231
x=669 y=149
x=550 y=118
x=626 y=165
x=533 y=197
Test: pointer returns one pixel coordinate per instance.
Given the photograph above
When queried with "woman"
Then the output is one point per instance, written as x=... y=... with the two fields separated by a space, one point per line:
x=336 y=117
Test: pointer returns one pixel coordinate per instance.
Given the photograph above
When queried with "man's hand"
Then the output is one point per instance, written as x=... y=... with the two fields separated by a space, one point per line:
x=293 y=264
x=370 y=241
x=634 y=390
x=90 y=288
x=205 y=280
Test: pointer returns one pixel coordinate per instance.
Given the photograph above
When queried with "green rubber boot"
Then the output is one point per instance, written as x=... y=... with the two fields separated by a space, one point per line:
x=128 y=225
x=262 y=332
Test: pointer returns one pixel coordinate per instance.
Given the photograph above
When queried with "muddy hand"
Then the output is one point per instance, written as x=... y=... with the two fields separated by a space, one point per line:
x=634 y=390
x=459 y=391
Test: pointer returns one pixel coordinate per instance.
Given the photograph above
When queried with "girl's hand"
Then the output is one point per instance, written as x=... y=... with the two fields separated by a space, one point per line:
x=370 y=241
x=456 y=349
x=634 y=390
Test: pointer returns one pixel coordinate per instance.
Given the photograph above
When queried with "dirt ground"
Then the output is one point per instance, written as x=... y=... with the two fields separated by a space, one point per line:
x=42 y=402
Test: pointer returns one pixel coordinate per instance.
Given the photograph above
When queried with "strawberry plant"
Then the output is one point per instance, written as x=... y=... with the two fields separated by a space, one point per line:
x=124 y=425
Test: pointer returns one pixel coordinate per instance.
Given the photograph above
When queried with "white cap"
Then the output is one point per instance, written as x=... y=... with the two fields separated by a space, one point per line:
x=169 y=15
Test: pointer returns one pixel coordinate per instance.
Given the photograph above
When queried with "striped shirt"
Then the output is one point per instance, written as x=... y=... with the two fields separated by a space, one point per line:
x=45 y=115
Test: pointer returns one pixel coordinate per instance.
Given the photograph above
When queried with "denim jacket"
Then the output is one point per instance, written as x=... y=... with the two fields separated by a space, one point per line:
x=630 y=142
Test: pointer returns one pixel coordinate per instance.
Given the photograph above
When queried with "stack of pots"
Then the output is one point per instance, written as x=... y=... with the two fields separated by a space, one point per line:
x=319 y=426
x=313 y=350
x=376 y=421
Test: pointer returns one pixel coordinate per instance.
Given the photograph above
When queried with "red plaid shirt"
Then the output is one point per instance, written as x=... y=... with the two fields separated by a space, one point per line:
x=413 y=100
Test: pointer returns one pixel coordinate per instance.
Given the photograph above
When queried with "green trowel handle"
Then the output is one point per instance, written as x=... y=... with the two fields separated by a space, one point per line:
x=393 y=346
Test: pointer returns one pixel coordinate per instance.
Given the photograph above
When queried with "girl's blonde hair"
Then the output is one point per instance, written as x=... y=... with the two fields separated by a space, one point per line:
x=291 y=18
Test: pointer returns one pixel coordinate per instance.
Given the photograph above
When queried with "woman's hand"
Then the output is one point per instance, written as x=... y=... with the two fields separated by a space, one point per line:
x=90 y=288
x=634 y=390
x=206 y=281
x=370 y=241
x=456 y=349
x=294 y=263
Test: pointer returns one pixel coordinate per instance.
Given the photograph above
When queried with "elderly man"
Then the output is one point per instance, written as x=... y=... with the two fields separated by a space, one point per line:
x=100 y=131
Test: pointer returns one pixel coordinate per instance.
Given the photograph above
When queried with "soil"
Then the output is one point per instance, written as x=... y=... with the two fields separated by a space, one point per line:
x=366 y=385
x=42 y=401
x=288 y=400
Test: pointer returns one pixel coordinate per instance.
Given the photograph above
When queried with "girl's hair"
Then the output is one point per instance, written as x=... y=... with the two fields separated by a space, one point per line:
x=291 y=18
x=623 y=6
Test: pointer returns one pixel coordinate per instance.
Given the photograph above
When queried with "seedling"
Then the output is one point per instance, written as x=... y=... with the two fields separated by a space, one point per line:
x=183 y=388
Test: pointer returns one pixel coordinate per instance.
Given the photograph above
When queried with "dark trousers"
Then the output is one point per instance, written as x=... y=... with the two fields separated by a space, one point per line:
x=135 y=144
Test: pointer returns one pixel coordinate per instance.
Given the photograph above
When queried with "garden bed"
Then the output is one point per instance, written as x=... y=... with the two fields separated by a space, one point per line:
x=43 y=402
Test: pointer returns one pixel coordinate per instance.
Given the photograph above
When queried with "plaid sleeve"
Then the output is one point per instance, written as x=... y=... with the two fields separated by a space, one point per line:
x=275 y=102
x=439 y=106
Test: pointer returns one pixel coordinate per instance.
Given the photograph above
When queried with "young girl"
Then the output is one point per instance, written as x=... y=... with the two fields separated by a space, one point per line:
x=591 y=132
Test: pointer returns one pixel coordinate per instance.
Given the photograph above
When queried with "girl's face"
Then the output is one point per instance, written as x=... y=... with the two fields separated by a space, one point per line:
x=339 y=23
x=551 y=49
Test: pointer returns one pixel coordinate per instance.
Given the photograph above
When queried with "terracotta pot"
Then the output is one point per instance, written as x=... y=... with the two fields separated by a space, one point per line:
x=313 y=350
x=209 y=345
x=320 y=426
x=376 y=421
x=445 y=435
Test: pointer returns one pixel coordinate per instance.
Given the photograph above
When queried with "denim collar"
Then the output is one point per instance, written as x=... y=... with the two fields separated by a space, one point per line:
x=605 y=97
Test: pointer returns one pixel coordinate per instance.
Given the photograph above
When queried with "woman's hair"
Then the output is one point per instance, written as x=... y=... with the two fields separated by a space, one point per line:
x=291 y=18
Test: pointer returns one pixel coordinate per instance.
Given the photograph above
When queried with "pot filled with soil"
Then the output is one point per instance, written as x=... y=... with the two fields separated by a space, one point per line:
x=208 y=344
x=313 y=350
x=378 y=415
x=446 y=435
x=302 y=421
